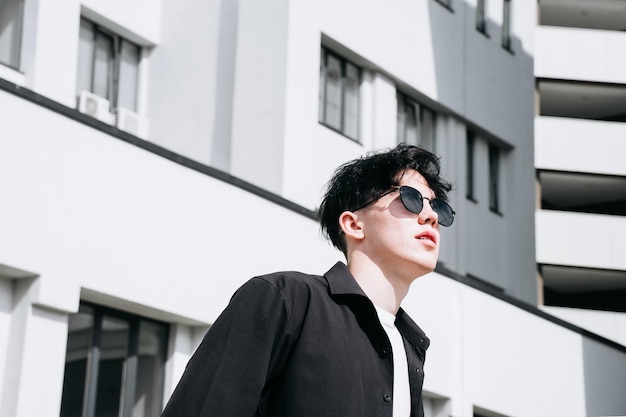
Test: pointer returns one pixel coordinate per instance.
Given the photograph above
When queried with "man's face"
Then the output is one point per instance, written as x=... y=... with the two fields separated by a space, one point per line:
x=402 y=243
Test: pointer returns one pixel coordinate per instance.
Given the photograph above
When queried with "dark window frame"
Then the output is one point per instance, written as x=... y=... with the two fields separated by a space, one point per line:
x=322 y=108
x=130 y=362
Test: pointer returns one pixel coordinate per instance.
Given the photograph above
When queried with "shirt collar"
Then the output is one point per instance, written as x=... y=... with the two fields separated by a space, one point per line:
x=341 y=282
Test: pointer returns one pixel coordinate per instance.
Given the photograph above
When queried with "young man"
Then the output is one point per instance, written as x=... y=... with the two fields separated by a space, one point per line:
x=338 y=345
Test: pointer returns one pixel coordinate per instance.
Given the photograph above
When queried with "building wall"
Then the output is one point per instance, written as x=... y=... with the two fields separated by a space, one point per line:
x=152 y=228
x=580 y=151
x=246 y=98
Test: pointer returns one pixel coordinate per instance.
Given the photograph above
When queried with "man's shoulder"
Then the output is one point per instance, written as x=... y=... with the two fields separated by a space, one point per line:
x=292 y=280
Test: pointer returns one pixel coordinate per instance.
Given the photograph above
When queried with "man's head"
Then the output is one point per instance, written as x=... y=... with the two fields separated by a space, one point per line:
x=359 y=182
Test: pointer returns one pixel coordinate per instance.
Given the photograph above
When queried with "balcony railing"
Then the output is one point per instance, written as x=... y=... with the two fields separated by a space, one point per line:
x=580 y=54
x=564 y=144
x=581 y=239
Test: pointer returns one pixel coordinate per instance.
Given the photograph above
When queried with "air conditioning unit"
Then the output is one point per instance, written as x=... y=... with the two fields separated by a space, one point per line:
x=131 y=122
x=95 y=106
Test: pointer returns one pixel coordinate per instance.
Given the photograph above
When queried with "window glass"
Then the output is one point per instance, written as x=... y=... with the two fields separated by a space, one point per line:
x=113 y=353
x=339 y=94
x=412 y=128
x=129 y=75
x=103 y=65
x=79 y=339
x=416 y=123
x=428 y=129
x=114 y=364
x=400 y=119
x=10 y=32
x=108 y=66
x=322 y=89
x=351 y=101
x=85 y=56
x=150 y=355
x=332 y=115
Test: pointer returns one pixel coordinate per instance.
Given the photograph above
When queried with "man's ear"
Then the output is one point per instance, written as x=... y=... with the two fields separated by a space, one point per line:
x=351 y=226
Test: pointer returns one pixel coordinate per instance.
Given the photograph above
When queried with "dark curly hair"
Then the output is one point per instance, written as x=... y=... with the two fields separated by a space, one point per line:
x=358 y=181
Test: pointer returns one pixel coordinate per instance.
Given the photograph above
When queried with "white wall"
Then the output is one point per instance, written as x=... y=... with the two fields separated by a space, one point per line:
x=6 y=308
x=488 y=353
x=256 y=90
x=259 y=94
x=121 y=17
x=50 y=49
x=104 y=215
x=98 y=217
x=609 y=324
x=438 y=55
x=189 y=100
x=101 y=220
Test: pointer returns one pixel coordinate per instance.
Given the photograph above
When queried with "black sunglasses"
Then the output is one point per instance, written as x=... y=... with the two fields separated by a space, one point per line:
x=413 y=201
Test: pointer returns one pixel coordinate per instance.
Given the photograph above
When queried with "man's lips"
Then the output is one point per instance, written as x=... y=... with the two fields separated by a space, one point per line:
x=427 y=236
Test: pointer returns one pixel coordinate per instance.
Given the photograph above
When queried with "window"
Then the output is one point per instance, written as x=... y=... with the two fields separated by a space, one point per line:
x=481 y=20
x=494 y=178
x=339 y=94
x=11 y=32
x=108 y=66
x=415 y=123
x=469 y=165
x=506 y=25
x=114 y=364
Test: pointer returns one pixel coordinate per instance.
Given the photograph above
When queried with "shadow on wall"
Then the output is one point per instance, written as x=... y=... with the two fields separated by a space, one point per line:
x=488 y=68
x=605 y=379
x=225 y=85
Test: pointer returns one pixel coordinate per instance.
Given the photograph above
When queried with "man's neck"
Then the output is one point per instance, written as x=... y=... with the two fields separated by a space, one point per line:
x=386 y=290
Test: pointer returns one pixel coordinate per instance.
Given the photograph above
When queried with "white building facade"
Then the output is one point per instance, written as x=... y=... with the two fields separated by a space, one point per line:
x=154 y=155
x=581 y=162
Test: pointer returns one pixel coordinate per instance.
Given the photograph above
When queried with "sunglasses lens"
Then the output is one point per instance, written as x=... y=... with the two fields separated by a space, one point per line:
x=412 y=199
x=444 y=212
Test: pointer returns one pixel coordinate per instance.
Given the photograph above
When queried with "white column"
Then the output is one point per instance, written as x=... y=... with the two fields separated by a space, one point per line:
x=383 y=116
x=50 y=48
x=35 y=357
x=184 y=341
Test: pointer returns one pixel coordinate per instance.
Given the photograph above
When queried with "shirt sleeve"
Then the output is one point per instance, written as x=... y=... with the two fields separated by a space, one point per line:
x=238 y=358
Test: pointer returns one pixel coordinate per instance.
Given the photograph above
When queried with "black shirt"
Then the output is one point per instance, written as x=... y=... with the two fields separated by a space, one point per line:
x=291 y=344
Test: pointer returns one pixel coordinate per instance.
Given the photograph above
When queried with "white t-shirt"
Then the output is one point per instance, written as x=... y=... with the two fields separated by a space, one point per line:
x=401 y=390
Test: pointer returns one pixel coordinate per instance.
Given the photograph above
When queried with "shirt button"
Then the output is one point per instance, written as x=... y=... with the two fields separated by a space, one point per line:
x=387 y=398
x=386 y=351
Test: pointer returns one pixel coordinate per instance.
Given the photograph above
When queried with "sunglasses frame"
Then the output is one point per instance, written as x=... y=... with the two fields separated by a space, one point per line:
x=421 y=199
